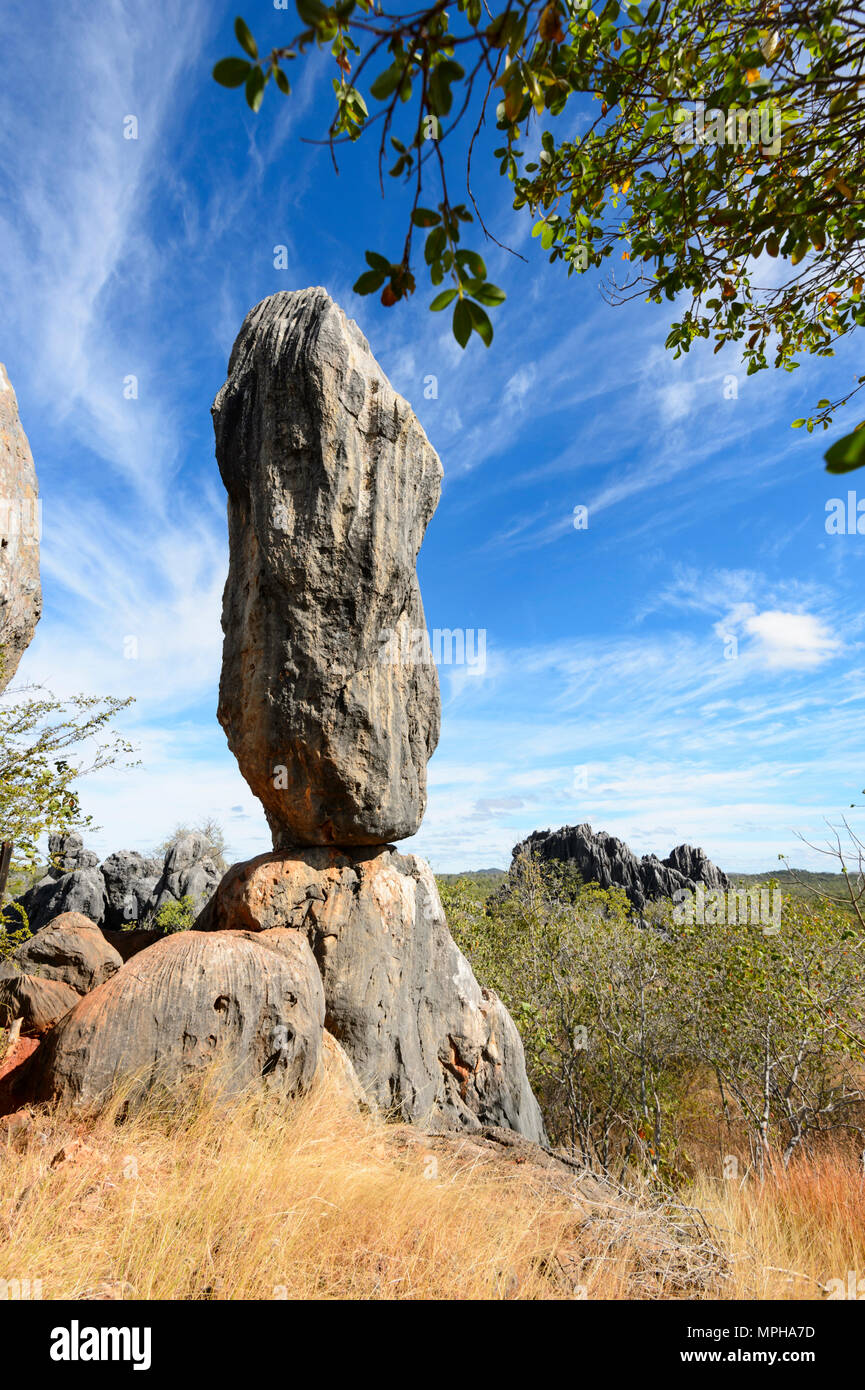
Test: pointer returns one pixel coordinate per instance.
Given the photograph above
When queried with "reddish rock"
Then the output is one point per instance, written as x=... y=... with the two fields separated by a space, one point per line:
x=71 y=949
x=254 y=1005
x=38 y=1003
x=15 y=1075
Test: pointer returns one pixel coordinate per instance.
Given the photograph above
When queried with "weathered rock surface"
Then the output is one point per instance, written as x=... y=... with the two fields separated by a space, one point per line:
x=67 y=853
x=20 y=590
x=81 y=892
x=425 y=1040
x=189 y=871
x=72 y=949
x=337 y=1071
x=252 y=1005
x=604 y=859
x=130 y=887
x=126 y=887
x=38 y=1003
x=128 y=943
x=331 y=483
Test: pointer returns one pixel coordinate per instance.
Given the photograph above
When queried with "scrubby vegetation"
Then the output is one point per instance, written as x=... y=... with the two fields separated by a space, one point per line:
x=674 y=1047
x=703 y=1080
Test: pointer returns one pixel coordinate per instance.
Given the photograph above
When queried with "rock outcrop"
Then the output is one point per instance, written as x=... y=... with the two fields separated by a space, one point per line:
x=126 y=887
x=330 y=955
x=70 y=949
x=603 y=859
x=20 y=590
x=38 y=1003
x=67 y=853
x=331 y=483
x=427 y=1043
x=81 y=892
x=252 y=1005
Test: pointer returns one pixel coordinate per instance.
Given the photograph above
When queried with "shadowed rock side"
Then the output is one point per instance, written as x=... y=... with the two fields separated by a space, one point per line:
x=601 y=858
x=331 y=483
x=252 y=1005
x=71 y=949
x=426 y=1041
x=38 y=1003
x=20 y=590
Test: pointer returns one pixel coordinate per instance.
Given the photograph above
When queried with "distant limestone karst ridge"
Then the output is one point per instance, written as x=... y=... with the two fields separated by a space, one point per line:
x=604 y=859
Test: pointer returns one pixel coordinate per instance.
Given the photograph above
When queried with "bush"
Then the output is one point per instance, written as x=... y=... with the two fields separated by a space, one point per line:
x=176 y=915
x=624 y=1020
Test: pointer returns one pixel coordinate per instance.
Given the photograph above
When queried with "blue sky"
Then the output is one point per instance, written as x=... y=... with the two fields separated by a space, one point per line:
x=609 y=694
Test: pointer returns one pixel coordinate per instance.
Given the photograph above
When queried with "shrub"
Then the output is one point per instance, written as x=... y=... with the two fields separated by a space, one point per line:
x=624 y=1019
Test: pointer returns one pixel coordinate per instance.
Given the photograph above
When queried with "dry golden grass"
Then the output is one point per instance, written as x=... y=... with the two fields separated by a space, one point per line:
x=256 y=1200
x=790 y=1235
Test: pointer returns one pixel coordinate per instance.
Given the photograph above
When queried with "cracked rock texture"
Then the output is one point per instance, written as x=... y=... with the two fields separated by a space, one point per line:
x=253 y=1005
x=331 y=483
x=428 y=1044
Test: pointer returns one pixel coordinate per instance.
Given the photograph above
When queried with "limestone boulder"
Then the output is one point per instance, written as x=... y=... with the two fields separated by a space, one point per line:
x=330 y=705
x=253 y=1006
x=428 y=1044
x=130 y=887
x=70 y=949
x=38 y=1003
x=67 y=853
x=81 y=892
x=189 y=871
x=20 y=590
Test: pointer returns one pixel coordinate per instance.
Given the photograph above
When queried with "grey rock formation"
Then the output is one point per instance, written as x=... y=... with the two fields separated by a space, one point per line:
x=189 y=871
x=72 y=949
x=20 y=591
x=81 y=891
x=604 y=859
x=251 y=1005
x=331 y=483
x=427 y=1042
x=127 y=887
x=130 y=888
x=67 y=853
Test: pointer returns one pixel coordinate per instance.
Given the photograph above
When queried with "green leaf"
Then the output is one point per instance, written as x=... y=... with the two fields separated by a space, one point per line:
x=473 y=262
x=846 y=453
x=245 y=39
x=435 y=244
x=282 y=81
x=254 y=88
x=386 y=82
x=369 y=282
x=488 y=294
x=231 y=72
x=480 y=322
x=442 y=300
x=310 y=11
x=462 y=322
x=425 y=217
x=378 y=262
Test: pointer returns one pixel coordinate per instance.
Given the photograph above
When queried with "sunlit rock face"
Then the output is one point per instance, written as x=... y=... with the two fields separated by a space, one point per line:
x=331 y=483
x=20 y=590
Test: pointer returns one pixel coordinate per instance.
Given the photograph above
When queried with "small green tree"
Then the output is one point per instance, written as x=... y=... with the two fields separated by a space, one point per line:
x=46 y=746
x=175 y=915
